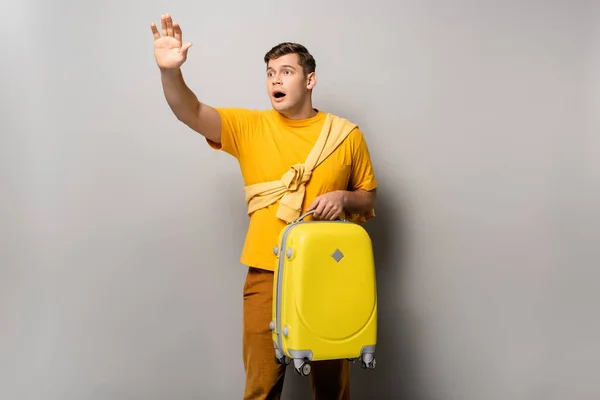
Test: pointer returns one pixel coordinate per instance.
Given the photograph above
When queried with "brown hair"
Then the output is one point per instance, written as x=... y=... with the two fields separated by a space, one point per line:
x=305 y=59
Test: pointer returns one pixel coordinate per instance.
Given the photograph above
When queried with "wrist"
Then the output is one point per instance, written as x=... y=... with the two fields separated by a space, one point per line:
x=170 y=72
x=345 y=198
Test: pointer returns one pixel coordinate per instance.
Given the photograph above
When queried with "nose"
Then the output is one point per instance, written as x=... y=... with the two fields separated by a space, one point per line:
x=276 y=80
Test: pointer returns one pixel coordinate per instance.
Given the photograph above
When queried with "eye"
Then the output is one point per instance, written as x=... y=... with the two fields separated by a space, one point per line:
x=287 y=72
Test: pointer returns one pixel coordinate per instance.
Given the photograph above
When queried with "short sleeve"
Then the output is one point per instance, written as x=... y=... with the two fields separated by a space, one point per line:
x=237 y=127
x=362 y=176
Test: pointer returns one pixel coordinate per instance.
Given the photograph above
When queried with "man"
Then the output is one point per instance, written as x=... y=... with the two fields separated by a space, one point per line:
x=266 y=144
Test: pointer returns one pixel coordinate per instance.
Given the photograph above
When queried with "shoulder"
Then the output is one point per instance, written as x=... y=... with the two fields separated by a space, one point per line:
x=240 y=112
x=340 y=117
x=356 y=136
x=356 y=132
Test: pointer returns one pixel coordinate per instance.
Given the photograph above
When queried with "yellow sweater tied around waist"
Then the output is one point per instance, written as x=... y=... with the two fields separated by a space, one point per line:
x=290 y=189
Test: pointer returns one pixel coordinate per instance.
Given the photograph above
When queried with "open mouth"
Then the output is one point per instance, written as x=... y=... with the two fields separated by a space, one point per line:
x=279 y=95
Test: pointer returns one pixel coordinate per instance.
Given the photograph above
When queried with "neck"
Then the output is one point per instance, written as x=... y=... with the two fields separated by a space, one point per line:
x=304 y=112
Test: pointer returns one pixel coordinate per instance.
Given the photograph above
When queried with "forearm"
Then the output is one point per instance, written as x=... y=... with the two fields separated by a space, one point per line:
x=359 y=201
x=181 y=99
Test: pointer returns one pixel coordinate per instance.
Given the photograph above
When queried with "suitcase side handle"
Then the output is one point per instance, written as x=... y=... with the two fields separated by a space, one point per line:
x=302 y=217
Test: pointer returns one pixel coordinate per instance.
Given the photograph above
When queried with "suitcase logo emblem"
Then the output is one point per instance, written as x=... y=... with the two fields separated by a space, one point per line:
x=337 y=255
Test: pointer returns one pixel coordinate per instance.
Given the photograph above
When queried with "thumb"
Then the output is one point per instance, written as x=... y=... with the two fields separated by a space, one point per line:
x=185 y=48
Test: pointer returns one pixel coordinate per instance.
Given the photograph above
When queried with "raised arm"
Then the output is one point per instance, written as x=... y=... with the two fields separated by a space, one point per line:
x=170 y=54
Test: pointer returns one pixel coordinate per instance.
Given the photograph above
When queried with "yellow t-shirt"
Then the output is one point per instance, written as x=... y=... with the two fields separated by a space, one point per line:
x=266 y=144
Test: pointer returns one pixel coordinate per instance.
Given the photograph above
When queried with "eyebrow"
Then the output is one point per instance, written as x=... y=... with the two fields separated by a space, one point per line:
x=283 y=66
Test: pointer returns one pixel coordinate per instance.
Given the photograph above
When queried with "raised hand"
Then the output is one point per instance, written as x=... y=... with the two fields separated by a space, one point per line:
x=169 y=51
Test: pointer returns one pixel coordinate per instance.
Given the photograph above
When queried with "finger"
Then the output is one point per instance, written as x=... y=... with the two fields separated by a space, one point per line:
x=328 y=212
x=177 y=31
x=314 y=204
x=169 y=26
x=318 y=209
x=154 y=31
x=163 y=24
x=335 y=215
x=321 y=210
x=185 y=48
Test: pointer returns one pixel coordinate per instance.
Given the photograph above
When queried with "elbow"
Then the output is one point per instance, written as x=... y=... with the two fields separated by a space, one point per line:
x=361 y=201
x=371 y=199
x=188 y=117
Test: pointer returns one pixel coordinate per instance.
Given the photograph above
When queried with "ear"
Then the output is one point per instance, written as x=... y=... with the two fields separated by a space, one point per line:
x=311 y=81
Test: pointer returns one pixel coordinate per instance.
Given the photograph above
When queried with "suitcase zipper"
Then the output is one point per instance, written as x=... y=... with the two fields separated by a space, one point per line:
x=279 y=278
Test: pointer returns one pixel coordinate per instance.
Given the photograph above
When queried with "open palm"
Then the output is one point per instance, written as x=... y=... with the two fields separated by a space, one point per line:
x=169 y=51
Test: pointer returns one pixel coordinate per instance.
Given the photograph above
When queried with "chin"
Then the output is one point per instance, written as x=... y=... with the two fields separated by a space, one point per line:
x=280 y=106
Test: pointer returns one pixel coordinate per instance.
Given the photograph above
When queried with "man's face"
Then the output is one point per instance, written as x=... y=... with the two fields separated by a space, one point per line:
x=287 y=85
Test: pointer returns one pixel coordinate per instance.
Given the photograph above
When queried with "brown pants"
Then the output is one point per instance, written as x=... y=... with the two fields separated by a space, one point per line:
x=330 y=380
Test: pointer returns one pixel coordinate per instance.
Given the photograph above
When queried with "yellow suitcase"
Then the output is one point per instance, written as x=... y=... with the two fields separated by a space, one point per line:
x=324 y=294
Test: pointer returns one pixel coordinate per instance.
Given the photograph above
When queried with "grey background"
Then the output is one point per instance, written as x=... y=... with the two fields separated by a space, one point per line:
x=121 y=230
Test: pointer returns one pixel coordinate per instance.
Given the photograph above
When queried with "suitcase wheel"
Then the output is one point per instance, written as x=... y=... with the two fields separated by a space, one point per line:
x=368 y=362
x=302 y=367
x=283 y=360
